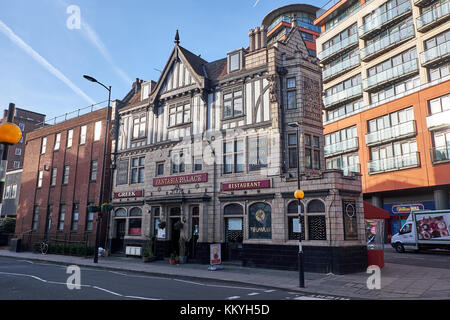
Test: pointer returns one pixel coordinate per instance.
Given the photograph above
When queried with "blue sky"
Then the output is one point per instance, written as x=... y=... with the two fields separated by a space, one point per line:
x=42 y=61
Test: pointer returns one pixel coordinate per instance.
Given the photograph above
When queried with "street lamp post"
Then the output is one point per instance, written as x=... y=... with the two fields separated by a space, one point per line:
x=299 y=194
x=102 y=178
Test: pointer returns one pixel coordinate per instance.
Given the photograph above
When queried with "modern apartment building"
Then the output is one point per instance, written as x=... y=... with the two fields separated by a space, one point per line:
x=27 y=121
x=61 y=177
x=212 y=148
x=278 y=23
x=386 y=94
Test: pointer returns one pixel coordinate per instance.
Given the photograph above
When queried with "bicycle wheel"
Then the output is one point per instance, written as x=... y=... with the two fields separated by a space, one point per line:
x=44 y=248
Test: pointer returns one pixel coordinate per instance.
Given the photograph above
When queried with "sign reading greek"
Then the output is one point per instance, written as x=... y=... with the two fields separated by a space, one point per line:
x=128 y=194
x=122 y=172
x=350 y=220
x=185 y=179
x=244 y=185
x=260 y=221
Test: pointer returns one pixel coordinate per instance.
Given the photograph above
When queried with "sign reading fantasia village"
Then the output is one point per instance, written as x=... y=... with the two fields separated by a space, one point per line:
x=185 y=179
x=244 y=185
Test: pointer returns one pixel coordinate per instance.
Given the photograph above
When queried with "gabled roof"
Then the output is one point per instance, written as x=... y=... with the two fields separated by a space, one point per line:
x=195 y=64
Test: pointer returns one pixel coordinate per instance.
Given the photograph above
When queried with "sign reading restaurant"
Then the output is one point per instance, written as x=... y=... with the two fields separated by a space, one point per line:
x=128 y=194
x=185 y=179
x=244 y=185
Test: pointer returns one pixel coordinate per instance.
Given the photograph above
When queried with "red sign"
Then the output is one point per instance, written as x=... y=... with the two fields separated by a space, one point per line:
x=186 y=179
x=244 y=185
x=128 y=194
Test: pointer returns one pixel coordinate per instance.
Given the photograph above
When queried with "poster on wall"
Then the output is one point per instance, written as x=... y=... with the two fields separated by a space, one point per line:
x=122 y=172
x=260 y=221
x=350 y=220
x=435 y=226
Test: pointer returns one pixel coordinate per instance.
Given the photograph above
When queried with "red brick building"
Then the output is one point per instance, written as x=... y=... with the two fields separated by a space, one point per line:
x=61 y=176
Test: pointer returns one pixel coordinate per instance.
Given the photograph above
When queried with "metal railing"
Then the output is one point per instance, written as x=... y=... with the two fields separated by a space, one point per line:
x=435 y=54
x=347 y=170
x=382 y=19
x=343 y=96
x=70 y=115
x=341 y=67
x=429 y=18
x=385 y=43
x=390 y=74
x=441 y=154
x=342 y=146
x=386 y=134
x=338 y=47
x=394 y=163
x=437 y=120
x=288 y=19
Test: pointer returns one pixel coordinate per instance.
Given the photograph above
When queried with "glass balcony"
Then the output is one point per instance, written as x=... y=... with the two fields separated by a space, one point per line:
x=396 y=73
x=394 y=163
x=341 y=67
x=441 y=154
x=342 y=96
x=435 y=55
x=438 y=120
x=382 y=20
x=300 y=23
x=341 y=147
x=433 y=17
x=422 y=3
x=401 y=130
x=382 y=45
x=347 y=170
x=340 y=47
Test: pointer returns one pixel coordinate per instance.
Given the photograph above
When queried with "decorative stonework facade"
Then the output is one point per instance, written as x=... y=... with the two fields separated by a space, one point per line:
x=209 y=145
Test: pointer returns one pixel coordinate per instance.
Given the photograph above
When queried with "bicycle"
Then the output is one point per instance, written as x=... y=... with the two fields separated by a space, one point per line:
x=44 y=247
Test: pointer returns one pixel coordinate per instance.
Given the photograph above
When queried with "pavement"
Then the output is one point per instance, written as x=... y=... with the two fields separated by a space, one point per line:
x=398 y=281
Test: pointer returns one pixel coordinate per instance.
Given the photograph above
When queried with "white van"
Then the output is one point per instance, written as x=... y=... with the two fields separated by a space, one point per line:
x=428 y=229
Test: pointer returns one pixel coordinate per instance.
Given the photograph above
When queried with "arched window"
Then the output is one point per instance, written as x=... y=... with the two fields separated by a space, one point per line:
x=316 y=206
x=316 y=220
x=294 y=228
x=121 y=212
x=234 y=231
x=135 y=212
x=233 y=209
x=293 y=207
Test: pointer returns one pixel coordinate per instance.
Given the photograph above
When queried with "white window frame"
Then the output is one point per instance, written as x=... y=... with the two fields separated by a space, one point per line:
x=97 y=130
x=83 y=130
x=57 y=141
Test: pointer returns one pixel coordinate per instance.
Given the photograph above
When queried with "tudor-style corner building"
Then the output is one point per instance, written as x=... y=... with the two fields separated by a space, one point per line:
x=209 y=145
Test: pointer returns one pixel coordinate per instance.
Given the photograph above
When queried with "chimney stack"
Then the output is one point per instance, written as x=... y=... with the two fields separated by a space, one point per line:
x=263 y=36
x=251 y=35
x=257 y=38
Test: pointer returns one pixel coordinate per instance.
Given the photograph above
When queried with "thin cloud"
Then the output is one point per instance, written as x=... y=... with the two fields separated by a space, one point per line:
x=36 y=56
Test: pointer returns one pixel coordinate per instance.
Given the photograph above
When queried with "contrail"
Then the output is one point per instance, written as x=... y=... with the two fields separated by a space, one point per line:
x=94 y=39
x=36 y=56
x=255 y=3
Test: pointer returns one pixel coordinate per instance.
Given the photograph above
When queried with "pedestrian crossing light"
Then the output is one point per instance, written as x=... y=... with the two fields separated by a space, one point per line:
x=299 y=194
x=10 y=133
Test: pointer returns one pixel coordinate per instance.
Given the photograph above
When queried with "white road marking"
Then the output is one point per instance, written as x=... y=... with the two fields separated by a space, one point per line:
x=253 y=293
x=269 y=290
x=111 y=292
x=216 y=285
x=307 y=298
x=141 y=298
x=119 y=273
x=233 y=297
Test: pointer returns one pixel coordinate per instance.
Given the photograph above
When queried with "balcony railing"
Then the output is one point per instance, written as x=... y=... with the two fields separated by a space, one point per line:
x=433 y=17
x=342 y=146
x=341 y=67
x=394 y=163
x=438 y=120
x=383 y=19
x=348 y=169
x=401 y=130
x=342 y=96
x=396 y=73
x=300 y=23
x=382 y=45
x=341 y=46
x=436 y=54
x=441 y=154
x=422 y=3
